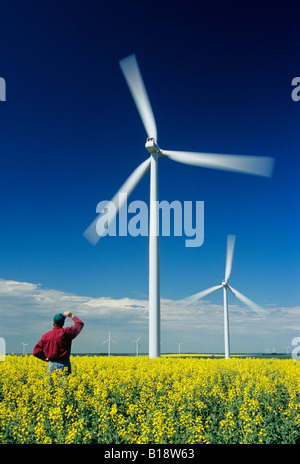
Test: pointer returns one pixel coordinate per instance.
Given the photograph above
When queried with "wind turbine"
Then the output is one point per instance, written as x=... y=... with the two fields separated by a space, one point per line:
x=24 y=344
x=109 y=340
x=287 y=349
x=137 y=344
x=179 y=344
x=257 y=165
x=225 y=286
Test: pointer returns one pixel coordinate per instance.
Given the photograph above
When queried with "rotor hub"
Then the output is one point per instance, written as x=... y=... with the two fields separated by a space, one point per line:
x=152 y=146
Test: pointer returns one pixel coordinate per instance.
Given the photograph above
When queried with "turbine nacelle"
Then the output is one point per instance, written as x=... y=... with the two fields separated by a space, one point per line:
x=224 y=283
x=152 y=146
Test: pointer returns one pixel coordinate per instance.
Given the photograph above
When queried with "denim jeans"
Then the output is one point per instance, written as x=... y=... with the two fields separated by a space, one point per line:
x=63 y=364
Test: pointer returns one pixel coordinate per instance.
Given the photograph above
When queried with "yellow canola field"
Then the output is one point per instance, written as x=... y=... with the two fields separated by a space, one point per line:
x=137 y=400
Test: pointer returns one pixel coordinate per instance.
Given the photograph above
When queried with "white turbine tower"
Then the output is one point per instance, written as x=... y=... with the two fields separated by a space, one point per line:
x=257 y=165
x=24 y=344
x=109 y=340
x=225 y=286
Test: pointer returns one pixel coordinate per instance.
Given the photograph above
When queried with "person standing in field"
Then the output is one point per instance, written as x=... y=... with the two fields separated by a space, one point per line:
x=55 y=346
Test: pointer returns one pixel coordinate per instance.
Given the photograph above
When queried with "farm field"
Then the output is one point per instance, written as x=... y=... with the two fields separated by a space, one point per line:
x=169 y=400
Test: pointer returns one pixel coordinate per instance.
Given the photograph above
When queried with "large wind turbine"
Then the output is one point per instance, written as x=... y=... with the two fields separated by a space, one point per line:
x=225 y=286
x=257 y=165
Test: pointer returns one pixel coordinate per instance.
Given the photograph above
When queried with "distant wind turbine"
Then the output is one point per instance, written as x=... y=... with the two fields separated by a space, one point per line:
x=257 y=165
x=225 y=286
x=179 y=344
x=24 y=344
x=109 y=340
x=287 y=349
x=137 y=344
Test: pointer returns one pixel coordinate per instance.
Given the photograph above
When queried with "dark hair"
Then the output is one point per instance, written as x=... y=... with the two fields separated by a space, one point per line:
x=55 y=324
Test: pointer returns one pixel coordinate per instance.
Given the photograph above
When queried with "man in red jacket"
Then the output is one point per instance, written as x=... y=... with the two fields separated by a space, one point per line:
x=55 y=345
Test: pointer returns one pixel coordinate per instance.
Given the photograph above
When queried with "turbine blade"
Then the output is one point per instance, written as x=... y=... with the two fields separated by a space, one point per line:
x=197 y=296
x=229 y=255
x=133 y=77
x=260 y=311
x=129 y=185
x=257 y=165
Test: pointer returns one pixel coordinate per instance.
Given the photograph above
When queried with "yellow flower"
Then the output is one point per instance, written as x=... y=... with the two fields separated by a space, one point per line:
x=139 y=400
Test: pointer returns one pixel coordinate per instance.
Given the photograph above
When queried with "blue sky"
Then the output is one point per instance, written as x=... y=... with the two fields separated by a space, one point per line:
x=219 y=80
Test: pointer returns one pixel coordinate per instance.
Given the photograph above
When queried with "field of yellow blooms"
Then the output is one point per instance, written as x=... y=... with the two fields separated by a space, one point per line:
x=137 y=400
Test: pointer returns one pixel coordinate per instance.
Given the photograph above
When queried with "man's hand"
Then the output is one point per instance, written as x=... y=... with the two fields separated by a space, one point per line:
x=68 y=314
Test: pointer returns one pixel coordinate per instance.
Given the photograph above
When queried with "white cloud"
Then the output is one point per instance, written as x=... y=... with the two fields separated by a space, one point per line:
x=27 y=309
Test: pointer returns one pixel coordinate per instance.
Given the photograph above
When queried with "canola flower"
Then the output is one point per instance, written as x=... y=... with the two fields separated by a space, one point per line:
x=138 y=400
